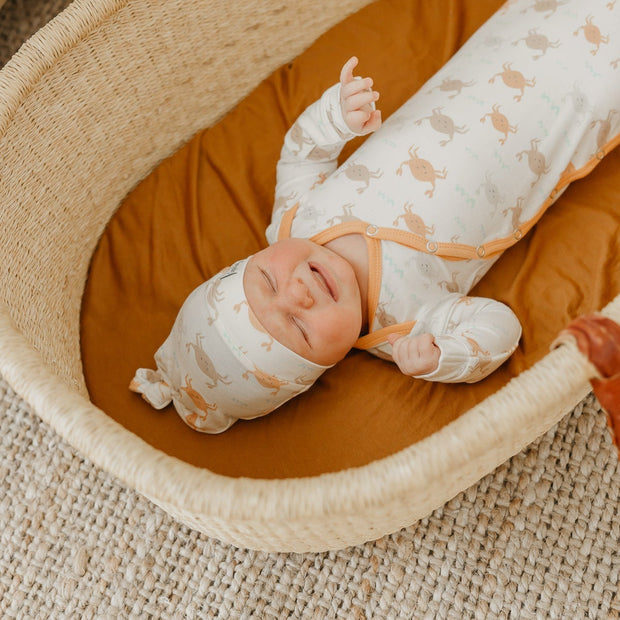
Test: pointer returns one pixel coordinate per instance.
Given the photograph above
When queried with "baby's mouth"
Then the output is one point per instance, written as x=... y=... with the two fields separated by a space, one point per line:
x=325 y=280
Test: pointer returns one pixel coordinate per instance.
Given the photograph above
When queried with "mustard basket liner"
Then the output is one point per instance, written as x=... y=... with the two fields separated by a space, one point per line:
x=78 y=104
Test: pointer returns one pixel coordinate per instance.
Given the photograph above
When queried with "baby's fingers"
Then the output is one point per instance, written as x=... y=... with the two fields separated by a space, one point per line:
x=363 y=122
x=373 y=123
x=414 y=355
x=346 y=73
x=355 y=86
x=360 y=100
x=400 y=355
x=357 y=119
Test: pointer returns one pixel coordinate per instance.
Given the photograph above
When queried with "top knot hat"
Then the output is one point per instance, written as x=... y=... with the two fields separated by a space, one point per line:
x=219 y=364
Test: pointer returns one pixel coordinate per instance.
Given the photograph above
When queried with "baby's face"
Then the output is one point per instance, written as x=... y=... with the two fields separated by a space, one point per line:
x=307 y=297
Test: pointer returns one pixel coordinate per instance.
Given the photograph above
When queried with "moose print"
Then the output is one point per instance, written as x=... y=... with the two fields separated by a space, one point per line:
x=255 y=323
x=500 y=122
x=383 y=317
x=414 y=222
x=514 y=79
x=422 y=170
x=505 y=8
x=579 y=99
x=199 y=402
x=484 y=359
x=491 y=191
x=359 y=172
x=310 y=213
x=476 y=349
x=268 y=381
x=321 y=178
x=452 y=86
x=195 y=421
x=535 y=160
x=303 y=380
x=546 y=6
x=203 y=361
x=515 y=212
x=321 y=154
x=493 y=42
x=282 y=202
x=443 y=124
x=484 y=364
x=298 y=136
x=602 y=137
x=537 y=42
x=347 y=215
x=593 y=35
x=452 y=285
x=214 y=296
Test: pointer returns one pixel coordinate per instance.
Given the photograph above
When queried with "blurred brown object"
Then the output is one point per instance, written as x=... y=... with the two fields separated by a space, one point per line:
x=598 y=338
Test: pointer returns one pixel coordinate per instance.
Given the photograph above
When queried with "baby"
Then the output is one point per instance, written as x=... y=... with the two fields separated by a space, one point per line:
x=313 y=296
x=381 y=252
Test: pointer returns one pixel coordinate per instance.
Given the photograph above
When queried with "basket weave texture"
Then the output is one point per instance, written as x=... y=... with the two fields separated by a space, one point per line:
x=88 y=106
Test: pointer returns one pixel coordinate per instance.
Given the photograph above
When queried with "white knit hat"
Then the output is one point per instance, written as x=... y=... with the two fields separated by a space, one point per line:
x=219 y=364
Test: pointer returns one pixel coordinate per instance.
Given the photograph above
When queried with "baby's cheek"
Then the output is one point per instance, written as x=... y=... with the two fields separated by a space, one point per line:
x=341 y=329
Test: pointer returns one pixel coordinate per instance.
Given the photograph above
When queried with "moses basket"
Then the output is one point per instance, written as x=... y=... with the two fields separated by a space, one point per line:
x=88 y=107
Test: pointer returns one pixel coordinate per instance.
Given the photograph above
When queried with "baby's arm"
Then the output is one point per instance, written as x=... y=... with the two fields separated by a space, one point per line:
x=313 y=143
x=459 y=339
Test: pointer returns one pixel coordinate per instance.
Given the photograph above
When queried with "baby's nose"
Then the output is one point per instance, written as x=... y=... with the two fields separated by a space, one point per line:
x=301 y=294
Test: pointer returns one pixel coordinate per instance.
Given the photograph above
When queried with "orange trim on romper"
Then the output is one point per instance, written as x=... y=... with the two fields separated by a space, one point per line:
x=379 y=336
x=374 y=276
x=448 y=251
x=374 y=255
x=569 y=175
x=286 y=223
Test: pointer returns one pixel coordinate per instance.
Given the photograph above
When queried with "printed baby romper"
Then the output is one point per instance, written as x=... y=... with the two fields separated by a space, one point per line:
x=460 y=173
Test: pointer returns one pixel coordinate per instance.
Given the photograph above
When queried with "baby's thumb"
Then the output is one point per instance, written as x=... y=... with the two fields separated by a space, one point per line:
x=373 y=123
x=392 y=338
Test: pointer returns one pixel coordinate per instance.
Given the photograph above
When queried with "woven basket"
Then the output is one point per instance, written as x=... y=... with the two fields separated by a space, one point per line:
x=88 y=107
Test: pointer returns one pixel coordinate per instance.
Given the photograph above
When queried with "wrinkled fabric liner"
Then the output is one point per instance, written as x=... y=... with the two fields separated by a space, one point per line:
x=208 y=206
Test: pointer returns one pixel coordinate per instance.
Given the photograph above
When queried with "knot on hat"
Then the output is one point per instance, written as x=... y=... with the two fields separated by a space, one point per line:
x=151 y=385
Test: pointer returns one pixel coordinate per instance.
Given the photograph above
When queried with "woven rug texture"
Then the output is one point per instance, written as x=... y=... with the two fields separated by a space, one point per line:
x=537 y=538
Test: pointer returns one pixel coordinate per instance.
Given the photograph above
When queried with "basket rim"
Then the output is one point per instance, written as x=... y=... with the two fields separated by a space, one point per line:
x=499 y=426
x=39 y=52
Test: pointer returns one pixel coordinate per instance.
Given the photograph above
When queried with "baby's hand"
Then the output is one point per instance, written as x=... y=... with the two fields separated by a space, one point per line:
x=415 y=355
x=356 y=98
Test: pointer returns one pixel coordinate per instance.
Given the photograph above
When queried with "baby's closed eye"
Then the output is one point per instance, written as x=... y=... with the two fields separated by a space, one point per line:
x=301 y=329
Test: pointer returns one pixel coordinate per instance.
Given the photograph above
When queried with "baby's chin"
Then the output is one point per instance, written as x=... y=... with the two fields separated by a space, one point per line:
x=347 y=344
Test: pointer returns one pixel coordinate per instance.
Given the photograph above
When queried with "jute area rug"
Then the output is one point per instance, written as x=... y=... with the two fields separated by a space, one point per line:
x=537 y=538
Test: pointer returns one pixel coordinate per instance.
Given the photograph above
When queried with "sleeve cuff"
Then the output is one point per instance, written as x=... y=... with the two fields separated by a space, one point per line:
x=333 y=112
x=453 y=362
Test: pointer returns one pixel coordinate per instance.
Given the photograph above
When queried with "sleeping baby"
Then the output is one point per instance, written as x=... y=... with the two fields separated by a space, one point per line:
x=381 y=252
